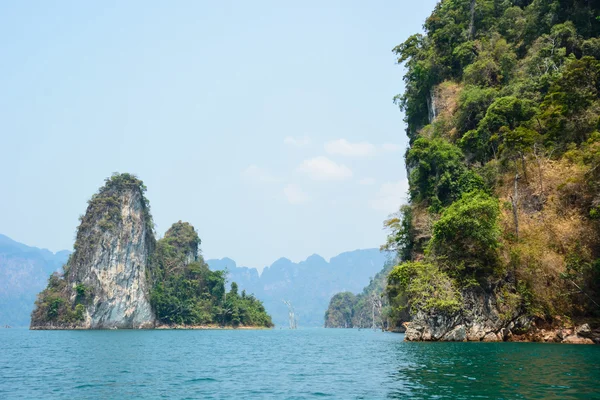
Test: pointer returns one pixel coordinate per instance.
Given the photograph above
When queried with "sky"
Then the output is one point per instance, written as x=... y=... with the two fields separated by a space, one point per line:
x=267 y=125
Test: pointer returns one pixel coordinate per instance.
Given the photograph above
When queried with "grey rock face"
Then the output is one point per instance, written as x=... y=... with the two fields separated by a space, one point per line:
x=485 y=317
x=584 y=331
x=111 y=261
x=458 y=334
x=481 y=318
x=116 y=271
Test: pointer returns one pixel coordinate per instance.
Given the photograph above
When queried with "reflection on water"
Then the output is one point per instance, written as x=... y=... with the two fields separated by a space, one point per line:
x=283 y=364
x=498 y=370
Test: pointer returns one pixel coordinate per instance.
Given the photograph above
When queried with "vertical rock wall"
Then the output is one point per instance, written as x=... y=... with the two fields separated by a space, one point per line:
x=115 y=270
x=105 y=283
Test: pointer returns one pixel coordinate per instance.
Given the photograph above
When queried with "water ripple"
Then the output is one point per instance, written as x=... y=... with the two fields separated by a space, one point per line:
x=282 y=364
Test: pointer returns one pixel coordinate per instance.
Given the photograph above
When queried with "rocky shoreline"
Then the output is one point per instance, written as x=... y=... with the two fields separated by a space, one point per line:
x=158 y=327
x=486 y=317
x=210 y=327
x=581 y=334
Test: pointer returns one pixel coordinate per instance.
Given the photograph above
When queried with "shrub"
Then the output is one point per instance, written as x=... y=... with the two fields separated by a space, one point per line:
x=438 y=173
x=468 y=231
x=472 y=105
x=505 y=113
x=423 y=287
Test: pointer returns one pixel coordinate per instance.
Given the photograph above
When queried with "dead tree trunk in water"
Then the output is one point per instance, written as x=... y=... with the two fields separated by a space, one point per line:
x=291 y=314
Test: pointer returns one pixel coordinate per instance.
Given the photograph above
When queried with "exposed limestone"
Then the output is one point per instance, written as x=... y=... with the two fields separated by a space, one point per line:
x=116 y=271
x=458 y=334
x=484 y=319
x=105 y=279
x=491 y=337
x=117 y=268
x=481 y=318
x=575 y=339
x=584 y=331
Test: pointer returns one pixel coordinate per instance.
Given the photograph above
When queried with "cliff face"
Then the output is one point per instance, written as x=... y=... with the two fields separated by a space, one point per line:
x=120 y=277
x=115 y=270
x=105 y=281
x=485 y=315
x=500 y=240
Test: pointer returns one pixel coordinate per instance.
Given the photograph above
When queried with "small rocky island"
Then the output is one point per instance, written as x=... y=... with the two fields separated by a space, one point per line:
x=120 y=277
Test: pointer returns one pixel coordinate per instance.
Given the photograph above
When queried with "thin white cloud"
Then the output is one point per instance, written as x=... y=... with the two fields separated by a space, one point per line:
x=256 y=174
x=346 y=148
x=390 y=196
x=391 y=147
x=324 y=169
x=298 y=141
x=366 y=181
x=295 y=195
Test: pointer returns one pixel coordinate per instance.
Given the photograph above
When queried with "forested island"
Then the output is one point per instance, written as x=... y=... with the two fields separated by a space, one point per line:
x=368 y=309
x=120 y=276
x=501 y=237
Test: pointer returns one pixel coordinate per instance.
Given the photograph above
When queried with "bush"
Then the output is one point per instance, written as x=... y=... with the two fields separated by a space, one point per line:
x=504 y=114
x=438 y=173
x=472 y=106
x=423 y=287
x=468 y=232
x=570 y=111
x=483 y=72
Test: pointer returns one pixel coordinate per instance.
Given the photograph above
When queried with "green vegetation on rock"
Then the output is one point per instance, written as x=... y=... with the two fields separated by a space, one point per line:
x=54 y=305
x=115 y=240
x=502 y=105
x=367 y=309
x=103 y=213
x=186 y=292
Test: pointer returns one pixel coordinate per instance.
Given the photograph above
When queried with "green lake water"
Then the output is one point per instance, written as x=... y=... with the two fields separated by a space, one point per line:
x=284 y=364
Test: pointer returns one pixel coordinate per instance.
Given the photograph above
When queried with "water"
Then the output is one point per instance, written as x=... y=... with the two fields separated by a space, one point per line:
x=283 y=364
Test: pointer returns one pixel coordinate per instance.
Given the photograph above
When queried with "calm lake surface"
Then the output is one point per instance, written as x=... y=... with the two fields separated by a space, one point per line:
x=283 y=364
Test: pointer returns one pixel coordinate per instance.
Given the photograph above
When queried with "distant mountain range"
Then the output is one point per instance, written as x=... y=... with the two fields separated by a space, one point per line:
x=24 y=272
x=308 y=285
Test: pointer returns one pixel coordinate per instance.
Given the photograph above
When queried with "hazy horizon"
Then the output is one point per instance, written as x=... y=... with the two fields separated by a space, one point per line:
x=247 y=121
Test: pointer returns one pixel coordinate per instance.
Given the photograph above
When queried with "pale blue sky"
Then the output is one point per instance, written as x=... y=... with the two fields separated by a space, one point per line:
x=267 y=125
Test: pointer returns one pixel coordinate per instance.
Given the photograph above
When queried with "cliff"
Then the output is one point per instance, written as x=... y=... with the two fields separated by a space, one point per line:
x=486 y=316
x=104 y=284
x=500 y=240
x=120 y=277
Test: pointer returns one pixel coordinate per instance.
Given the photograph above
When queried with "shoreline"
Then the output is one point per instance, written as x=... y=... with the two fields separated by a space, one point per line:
x=209 y=327
x=573 y=334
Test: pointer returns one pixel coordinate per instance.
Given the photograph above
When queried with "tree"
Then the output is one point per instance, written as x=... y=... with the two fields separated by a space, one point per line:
x=438 y=173
x=504 y=114
x=467 y=233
